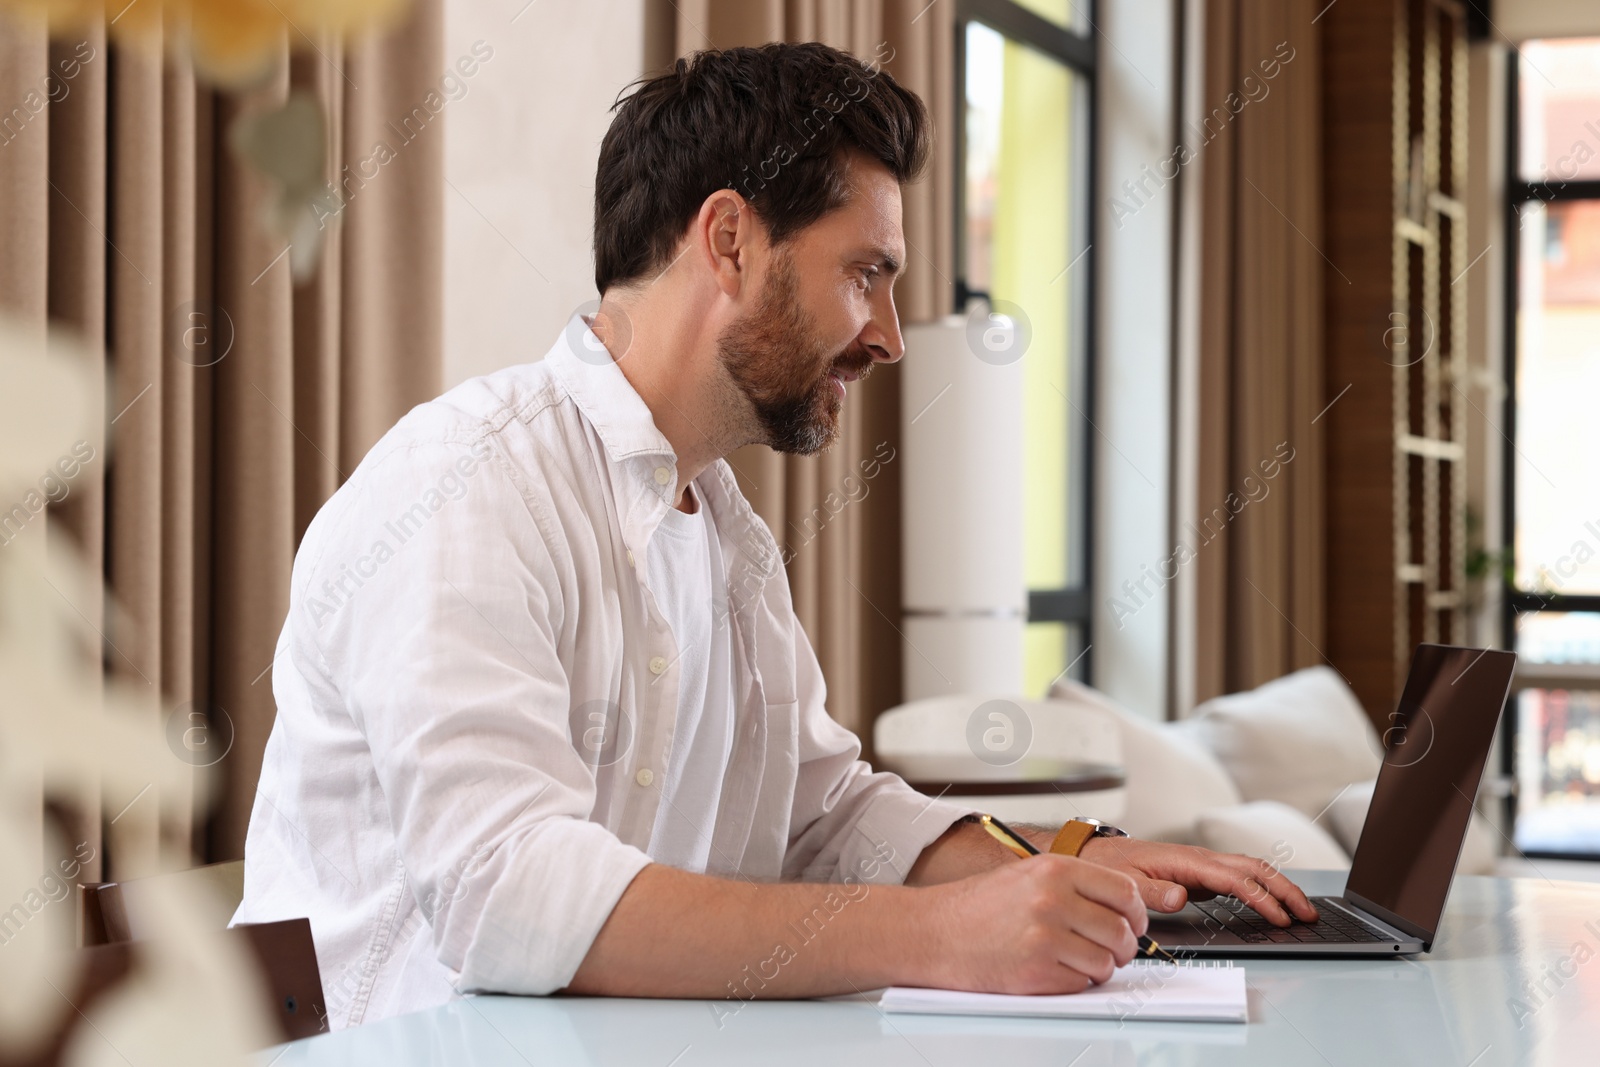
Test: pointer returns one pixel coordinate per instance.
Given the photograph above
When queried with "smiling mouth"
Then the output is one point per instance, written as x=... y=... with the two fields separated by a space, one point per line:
x=840 y=376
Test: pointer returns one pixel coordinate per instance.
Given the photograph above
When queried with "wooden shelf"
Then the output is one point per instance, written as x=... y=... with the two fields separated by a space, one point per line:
x=1448 y=205
x=1450 y=451
x=1413 y=231
x=1394 y=176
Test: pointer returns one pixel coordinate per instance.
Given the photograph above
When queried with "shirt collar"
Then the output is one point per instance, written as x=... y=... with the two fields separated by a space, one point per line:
x=605 y=396
x=627 y=430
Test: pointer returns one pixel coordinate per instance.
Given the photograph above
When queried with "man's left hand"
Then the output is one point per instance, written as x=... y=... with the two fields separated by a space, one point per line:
x=1170 y=875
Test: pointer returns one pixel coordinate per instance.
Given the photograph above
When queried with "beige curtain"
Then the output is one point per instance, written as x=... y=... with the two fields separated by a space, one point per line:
x=845 y=571
x=1259 y=600
x=124 y=216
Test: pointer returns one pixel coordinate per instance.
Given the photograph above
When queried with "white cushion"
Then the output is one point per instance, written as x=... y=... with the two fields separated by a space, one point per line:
x=1299 y=739
x=1348 y=814
x=1169 y=778
x=1271 y=831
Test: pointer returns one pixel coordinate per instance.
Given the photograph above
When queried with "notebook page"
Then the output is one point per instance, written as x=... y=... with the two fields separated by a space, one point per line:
x=1145 y=990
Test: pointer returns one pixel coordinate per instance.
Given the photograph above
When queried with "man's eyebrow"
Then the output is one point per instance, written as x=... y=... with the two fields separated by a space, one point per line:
x=886 y=259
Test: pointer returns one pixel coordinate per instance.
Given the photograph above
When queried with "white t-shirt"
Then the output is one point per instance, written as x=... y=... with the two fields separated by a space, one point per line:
x=690 y=584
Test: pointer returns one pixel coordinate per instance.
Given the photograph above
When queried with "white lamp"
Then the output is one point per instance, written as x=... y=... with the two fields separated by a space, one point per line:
x=965 y=598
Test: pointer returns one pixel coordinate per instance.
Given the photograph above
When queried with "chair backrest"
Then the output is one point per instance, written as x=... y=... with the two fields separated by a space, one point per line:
x=110 y=911
x=111 y=921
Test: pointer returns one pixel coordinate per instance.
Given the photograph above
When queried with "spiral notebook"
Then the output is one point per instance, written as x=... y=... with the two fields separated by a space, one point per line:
x=1145 y=990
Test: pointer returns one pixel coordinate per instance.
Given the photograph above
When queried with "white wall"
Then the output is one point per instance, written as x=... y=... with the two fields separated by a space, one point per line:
x=520 y=151
x=1133 y=434
x=1485 y=282
x=1186 y=362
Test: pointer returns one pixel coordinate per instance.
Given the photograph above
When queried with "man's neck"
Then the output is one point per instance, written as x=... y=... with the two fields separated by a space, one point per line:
x=670 y=360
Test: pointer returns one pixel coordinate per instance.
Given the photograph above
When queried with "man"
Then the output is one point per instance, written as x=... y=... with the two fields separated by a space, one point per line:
x=546 y=718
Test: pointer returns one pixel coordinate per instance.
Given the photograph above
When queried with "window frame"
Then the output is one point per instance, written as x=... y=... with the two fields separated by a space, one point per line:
x=1516 y=601
x=1072 y=605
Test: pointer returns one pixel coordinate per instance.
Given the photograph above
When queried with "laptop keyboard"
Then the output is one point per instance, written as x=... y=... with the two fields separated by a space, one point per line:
x=1335 y=924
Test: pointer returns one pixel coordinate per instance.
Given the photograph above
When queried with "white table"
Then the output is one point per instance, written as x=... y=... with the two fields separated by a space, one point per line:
x=1457 y=1006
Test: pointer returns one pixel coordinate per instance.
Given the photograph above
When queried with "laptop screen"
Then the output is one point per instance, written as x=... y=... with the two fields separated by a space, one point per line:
x=1435 y=748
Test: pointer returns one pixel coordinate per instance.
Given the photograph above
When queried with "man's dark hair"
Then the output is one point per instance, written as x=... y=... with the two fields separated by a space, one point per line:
x=776 y=124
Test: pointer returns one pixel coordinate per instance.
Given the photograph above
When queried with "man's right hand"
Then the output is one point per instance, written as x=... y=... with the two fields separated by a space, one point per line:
x=1047 y=924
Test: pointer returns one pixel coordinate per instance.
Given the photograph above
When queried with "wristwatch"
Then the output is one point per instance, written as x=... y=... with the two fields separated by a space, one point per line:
x=1078 y=832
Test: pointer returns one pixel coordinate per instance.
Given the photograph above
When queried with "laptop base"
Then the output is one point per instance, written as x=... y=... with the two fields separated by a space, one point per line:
x=1224 y=929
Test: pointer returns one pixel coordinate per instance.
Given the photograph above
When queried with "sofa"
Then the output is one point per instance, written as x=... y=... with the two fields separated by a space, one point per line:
x=1284 y=771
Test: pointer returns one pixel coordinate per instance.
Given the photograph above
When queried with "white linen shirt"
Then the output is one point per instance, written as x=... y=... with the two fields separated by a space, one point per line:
x=477 y=695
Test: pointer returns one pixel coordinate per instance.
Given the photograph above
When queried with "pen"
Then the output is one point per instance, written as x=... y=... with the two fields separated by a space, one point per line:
x=1024 y=848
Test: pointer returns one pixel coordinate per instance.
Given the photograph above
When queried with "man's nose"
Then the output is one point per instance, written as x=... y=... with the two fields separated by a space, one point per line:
x=882 y=337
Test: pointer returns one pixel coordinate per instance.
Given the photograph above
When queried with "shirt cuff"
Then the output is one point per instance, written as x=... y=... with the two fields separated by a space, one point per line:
x=546 y=907
x=892 y=832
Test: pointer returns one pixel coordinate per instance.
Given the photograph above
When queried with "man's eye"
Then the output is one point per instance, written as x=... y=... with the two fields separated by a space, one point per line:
x=867 y=274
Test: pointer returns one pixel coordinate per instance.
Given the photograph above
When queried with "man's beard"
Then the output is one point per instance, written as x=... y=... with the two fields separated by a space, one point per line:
x=782 y=369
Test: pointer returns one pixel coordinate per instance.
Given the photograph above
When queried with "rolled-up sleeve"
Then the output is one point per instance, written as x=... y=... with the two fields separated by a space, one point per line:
x=448 y=657
x=849 y=822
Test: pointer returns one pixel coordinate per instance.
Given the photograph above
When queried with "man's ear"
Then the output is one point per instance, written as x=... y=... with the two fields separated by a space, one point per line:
x=724 y=233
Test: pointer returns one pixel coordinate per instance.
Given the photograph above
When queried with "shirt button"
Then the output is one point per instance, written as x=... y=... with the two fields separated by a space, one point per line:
x=645 y=776
x=663 y=476
x=630 y=557
x=657 y=665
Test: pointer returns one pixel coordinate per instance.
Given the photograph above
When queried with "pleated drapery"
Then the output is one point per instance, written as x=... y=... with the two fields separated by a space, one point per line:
x=235 y=401
x=841 y=532
x=1259 y=602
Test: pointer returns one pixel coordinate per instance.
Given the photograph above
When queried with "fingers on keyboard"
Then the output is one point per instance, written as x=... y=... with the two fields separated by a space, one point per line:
x=1334 y=925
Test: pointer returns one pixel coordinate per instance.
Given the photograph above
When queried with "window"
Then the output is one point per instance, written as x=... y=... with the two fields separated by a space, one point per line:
x=1552 y=477
x=1026 y=79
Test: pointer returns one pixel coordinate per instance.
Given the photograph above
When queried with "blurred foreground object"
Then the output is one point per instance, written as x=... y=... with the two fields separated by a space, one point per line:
x=232 y=43
x=236 y=45
x=188 y=997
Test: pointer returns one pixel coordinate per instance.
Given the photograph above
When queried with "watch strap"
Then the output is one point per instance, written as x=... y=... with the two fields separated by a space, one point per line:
x=1073 y=836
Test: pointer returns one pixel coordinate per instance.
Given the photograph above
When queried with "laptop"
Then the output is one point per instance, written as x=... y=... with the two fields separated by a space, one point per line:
x=1401 y=872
